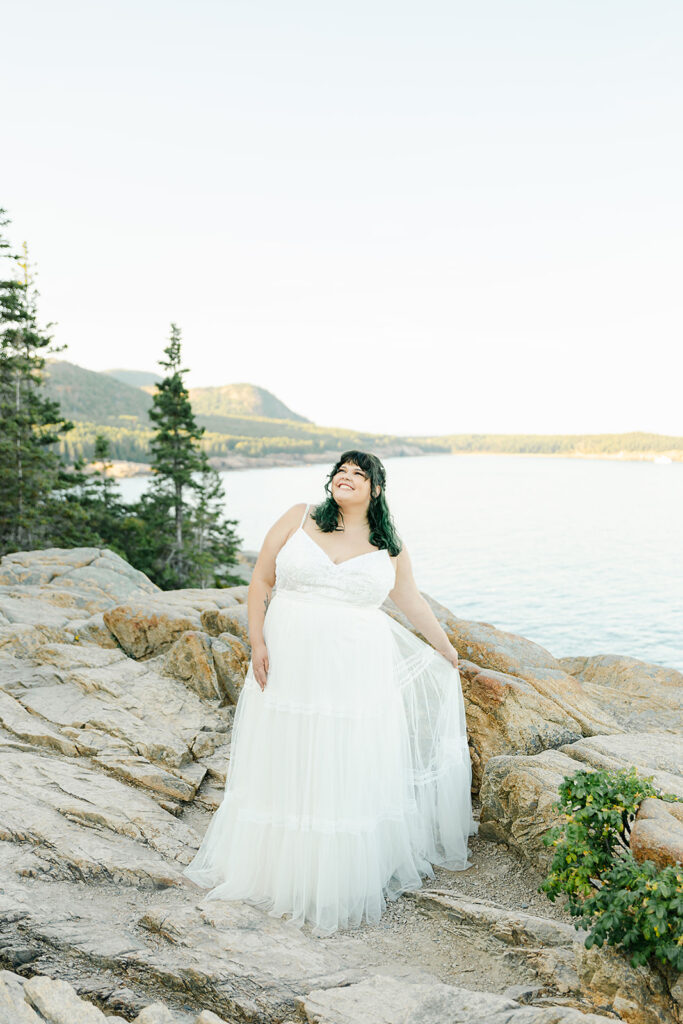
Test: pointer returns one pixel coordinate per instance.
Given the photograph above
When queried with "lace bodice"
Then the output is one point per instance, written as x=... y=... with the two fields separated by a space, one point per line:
x=301 y=566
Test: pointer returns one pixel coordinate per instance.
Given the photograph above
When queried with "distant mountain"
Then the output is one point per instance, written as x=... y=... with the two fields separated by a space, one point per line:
x=107 y=399
x=241 y=400
x=135 y=378
x=247 y=425
x=94 y=397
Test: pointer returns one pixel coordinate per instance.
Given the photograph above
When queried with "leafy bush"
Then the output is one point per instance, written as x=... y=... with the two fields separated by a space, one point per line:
x=638 y=907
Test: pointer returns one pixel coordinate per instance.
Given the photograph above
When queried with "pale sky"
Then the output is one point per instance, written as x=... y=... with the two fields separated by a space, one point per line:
x=407 y=217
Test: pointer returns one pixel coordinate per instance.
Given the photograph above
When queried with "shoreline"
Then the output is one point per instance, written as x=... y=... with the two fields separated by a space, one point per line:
x=122 y=469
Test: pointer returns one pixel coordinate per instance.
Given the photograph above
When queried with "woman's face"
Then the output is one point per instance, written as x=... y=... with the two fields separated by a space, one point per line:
x=351 y=486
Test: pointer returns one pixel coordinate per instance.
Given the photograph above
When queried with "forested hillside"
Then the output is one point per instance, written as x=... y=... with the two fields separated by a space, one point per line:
x=135 y=378
x=247 y=421
x=106 y=397
x=96 y=398
x=241 y=400
x=561 y=444
x=240 y=419
x=248 y=436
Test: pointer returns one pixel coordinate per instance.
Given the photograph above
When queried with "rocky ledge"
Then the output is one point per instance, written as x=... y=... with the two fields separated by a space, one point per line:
x=116 y=705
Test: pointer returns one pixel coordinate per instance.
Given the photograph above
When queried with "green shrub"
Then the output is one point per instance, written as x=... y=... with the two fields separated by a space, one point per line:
x=638 y=907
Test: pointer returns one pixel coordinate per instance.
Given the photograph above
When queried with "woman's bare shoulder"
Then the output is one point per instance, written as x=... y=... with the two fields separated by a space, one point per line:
x=288 y=522
x=294 y=512
x=283 y=528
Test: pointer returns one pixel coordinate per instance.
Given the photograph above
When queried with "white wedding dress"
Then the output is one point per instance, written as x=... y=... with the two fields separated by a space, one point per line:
x=349 y=774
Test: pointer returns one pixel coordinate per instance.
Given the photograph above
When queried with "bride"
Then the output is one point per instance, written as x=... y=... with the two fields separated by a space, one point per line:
x=349 y=774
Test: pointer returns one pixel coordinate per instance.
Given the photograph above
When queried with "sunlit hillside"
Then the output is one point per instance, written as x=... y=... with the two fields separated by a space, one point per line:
x=244 y=422
x=241 y=400
x=92 y=397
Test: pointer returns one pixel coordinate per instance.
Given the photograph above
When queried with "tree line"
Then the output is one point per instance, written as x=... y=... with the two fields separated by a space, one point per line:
x=133 y=444
x=177 y=533
x=558 y=444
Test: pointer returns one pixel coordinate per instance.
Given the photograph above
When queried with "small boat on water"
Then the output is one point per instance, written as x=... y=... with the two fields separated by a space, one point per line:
x=663 y=460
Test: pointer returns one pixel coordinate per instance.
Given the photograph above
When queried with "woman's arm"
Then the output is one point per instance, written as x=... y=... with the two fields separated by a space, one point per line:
x=261 y=588
x=410 y=601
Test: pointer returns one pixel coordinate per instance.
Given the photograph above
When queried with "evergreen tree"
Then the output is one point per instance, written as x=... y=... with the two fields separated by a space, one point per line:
x=33 y=480
x=109 y=519
x=176 y=533
x=187 y=541
x=175 y=451
x=214 y=540
x=101 y=487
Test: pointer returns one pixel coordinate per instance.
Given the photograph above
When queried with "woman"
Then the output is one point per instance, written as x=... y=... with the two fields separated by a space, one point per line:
x=349 y=774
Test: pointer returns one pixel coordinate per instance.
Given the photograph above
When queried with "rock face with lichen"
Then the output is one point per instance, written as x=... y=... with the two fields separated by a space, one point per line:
x=116 y=708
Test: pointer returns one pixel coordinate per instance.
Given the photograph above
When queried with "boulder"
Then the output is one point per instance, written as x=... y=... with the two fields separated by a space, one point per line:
x=517 y=792
x=92 y=631
x=565 y=970
x=58 y=1002
x=207 y=1017
x=505 y=714
x=151 y=626
x=211 y=597
x=43 y=566
x=565 y=690
x=191 y=660
x=493 y=648
x=91 y=579
x=232 y=620
x=500 y=652
x=657 y=833
x=640 y=695
x=156 y=1013
x=13 y=1007
x=655 y=755
x=231 y=660
x=84 y=823
x=661 y=810
x=381 y=999
x=153 y=623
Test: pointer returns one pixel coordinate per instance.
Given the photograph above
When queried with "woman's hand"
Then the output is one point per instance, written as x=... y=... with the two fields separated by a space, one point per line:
x=260 y=664
x=450 y=654
x=409 y=600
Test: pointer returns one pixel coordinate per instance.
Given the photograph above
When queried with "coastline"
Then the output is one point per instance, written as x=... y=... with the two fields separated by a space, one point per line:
x=122 y=469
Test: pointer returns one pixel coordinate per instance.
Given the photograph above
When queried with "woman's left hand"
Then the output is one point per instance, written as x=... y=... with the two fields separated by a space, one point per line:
x=450 y=654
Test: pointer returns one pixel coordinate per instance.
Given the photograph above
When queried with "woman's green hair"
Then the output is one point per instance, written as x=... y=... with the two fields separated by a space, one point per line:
x=382 y=530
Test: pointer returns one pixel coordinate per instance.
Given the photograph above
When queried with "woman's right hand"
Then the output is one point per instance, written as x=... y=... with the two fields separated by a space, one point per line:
x=260 y=664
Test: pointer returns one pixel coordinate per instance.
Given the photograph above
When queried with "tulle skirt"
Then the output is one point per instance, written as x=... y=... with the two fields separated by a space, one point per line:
x=349 y=775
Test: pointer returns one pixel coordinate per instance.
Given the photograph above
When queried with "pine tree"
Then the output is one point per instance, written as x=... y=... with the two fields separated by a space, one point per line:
x=214 y=540
x=187 y=541
x=32 y=476
x=109 y=519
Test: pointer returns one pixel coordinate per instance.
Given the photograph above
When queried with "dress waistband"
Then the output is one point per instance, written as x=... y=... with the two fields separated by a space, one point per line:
x=314 y=597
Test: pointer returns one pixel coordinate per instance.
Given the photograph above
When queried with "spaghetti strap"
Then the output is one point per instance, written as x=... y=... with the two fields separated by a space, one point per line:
x=303 y=519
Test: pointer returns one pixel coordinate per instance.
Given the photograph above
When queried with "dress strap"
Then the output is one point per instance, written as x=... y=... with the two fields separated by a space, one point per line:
x=303 y=520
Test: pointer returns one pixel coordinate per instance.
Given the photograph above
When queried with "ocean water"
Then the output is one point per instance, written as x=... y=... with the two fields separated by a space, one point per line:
x=582 y=556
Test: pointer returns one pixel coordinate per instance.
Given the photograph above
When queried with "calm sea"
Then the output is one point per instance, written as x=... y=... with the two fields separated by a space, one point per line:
x=582 y=556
